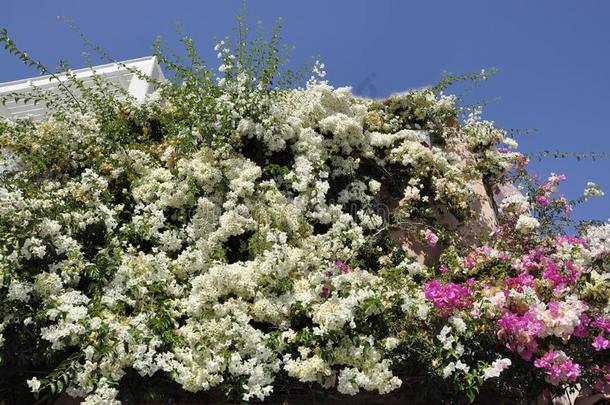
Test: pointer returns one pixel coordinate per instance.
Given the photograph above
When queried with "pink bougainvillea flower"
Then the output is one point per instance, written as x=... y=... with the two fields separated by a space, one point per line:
x=517 y=283
x=558 y=367
x=520 y=332
x=581 y=329
x=447 y=297
x=600 y=343
x=601 y=323
x=543 y=200
x=430 y=237
x=344 y=268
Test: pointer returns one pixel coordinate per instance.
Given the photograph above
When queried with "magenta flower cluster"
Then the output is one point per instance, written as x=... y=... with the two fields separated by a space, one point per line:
x=531 y=293
x=558 y=367
x=449 y=296
x=520 y=332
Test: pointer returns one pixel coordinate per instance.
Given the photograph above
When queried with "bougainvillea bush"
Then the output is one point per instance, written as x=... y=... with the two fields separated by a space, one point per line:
x=235 y=235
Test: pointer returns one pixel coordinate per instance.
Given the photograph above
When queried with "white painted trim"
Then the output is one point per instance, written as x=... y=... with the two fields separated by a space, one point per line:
x=137 y=87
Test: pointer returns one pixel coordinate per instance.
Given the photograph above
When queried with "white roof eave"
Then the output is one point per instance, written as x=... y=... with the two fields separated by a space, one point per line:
x=121 y=72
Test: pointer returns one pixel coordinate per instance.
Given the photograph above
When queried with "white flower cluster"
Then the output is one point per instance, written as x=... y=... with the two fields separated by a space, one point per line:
x=496 y=368
x=378 y=377
x=515 y=203
x=212 y=260
x=592 y=190
x=560 y=318
x=526 y=224
x=599 y=239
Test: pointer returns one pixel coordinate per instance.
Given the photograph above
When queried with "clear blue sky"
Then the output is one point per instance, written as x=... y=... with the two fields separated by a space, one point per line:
x=553 y=56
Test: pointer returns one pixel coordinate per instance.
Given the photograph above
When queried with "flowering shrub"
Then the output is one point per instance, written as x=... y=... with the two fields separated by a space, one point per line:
x=230 y=233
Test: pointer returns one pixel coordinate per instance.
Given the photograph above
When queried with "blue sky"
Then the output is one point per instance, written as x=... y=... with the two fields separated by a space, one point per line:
x=552 y=56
